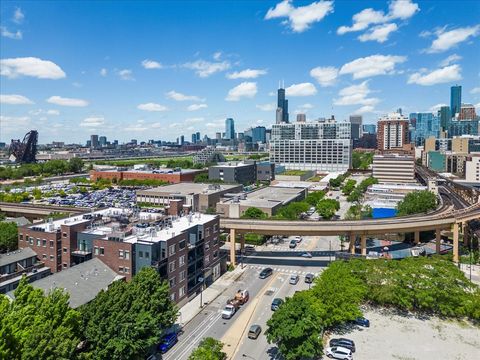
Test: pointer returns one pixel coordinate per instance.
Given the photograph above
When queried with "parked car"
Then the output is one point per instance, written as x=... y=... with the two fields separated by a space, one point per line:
x=361 y=321
x=343 y=342
x=294 y=279
x=265 y=273
x=309 y=278
x=167 y=342
x=339 y=352
x=276 y=303
x=254 y=332
x=293 y=244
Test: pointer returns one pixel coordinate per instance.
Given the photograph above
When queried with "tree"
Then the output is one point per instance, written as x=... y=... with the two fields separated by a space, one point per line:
x=126 y=320
x=326 y=208
x=8 y=236
x=293 y=210
x=314 y=197
x=208 y=349
x=348 y=187
x=35 y=326
x=254 y=213
x=296 y=327
x=75 y=164
x=417 y=202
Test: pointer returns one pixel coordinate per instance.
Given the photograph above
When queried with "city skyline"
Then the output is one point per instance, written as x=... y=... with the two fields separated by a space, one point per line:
x=133 y=72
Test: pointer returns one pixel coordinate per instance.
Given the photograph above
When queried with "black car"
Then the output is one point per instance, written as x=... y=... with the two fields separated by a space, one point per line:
x=265 y=273
x=343 y=342
x=309 y=278
x=361 y=321
x=276 y=303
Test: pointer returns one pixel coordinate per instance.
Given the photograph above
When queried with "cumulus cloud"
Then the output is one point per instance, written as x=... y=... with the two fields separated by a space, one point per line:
x=439 y=76
x=365 y=109
x=30 y=66
x=152 y=107
x=14 y=99
x=266 y=107
x=18 y=16
x=17 y=35
x=363 y=20
x=325 y=76
x=379 y=33
x=103 y=72
x=246 y=74
x=402 y=9
x=300 y=18
x=151 y=64
x=62 y=101
x=244 y=90
x=448 y=39
x=126 y=74
x=182 y=97
x=204 y=68
x=93 y=122
x=44 y=112
x=302 y=89
x=450 y=59
x=195 y=107
x=356 y=95
x=372 y=66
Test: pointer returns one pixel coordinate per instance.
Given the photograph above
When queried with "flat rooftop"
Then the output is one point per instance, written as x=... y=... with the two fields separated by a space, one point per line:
x=402 y=186
x=153 y=171
x=188 y=188
x=231 y=164
x=267 y=197
x=17 y=255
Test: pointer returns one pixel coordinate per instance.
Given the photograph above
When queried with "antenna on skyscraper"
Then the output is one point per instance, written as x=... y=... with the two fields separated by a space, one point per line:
x=283 y=84
x=279 y=84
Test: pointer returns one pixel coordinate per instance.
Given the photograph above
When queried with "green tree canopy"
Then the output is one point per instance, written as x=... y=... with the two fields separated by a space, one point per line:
x=293 y=210
x=35 y=326
x=417 y=202
x=254 y=213
x=327 y=208
x=314 y=197
x=8 y=236
x=208 y=349
x=348 y=187
x=125 y=321
x=75 y=164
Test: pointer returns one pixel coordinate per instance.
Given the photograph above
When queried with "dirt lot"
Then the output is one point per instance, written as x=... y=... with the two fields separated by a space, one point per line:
x=393 y=336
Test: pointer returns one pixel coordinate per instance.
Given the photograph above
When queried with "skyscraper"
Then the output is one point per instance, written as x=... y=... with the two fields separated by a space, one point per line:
x=198 y=136
x=392 y=132
x=229 y=129
x=282 y=106
x=455 y=99
x=356 y=126
x=301 y=117
x=445 y=117
x=94 y=141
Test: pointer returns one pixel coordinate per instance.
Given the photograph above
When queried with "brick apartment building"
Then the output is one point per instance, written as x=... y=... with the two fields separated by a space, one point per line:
x=171 y=176
x=392 y=132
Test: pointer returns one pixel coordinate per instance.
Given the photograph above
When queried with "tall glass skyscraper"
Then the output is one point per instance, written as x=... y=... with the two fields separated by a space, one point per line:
x=282 y=107
x=426 y=125
x=229 y=129
x=445 y=117
x=455 y=99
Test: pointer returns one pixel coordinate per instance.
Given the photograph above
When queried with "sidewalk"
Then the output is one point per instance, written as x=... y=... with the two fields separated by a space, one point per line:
x=192 y=308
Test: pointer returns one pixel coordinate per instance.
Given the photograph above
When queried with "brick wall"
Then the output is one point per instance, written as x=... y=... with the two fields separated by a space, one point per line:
x=45 y=244
x=109 y=252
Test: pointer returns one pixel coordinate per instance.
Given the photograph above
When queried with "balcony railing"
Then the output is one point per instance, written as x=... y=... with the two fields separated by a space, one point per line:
x=30 y=269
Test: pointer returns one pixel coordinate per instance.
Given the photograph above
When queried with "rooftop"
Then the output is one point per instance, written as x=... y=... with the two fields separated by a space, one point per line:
x=188 y=188
x=267 y=197
x=232 y=164
x=17 y=255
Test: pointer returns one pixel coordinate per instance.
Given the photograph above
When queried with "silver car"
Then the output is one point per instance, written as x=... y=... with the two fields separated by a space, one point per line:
x=294 y=279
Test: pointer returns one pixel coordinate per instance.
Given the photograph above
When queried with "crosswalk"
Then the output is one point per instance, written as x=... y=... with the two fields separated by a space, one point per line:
x=286 y=271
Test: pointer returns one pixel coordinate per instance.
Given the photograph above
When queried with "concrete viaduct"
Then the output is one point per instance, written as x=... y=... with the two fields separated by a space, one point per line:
x=33 y=212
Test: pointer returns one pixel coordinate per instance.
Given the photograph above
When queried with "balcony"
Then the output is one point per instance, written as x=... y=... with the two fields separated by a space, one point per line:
x=31 y=269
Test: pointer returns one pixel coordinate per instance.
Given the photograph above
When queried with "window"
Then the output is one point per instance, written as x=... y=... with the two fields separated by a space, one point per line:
x=126 y=270
x=171 y=250
x=126 y=255
x=171 y=266
x=181 y=260
x=51 y=244
x=181 y=292
x=207 y=259
x=140 y=254
x=207 y=246
x=215 y=254
x=182 y=244
x=200 y=235
x=207 y=232
x=95 y=250
x=120 y=254
x=120 y=269
x=65 y=265
x=182 y=275
x=39 y=243
x=102 y=251
x=65 y=250
x=64 y=234
x=31 y=241
x=44 y=256
x=21 y=236
x=147 y=255
x=172 y=282
x=44 y=243
x=172 y=296
x=52 y=257
x=215 y=228
x=215 y=240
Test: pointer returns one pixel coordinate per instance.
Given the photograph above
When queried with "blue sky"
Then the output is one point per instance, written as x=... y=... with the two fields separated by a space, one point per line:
x=157 y=70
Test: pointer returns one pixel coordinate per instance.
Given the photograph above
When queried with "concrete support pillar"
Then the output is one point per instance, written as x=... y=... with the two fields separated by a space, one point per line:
x=465 y=233
x=364 y=245
x=351 y=247
x=417 y=237
x=242 y=243
x=438 y=237
x=232 y=247
x=455 y=242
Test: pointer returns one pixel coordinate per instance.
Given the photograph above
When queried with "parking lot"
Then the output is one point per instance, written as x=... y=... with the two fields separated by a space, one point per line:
x=393 y=336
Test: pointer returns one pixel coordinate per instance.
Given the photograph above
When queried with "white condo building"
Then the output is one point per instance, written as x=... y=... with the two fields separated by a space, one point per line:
x=319 y=146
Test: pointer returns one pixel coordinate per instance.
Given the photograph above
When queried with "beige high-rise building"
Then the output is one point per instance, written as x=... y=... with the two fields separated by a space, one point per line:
x=460 y=145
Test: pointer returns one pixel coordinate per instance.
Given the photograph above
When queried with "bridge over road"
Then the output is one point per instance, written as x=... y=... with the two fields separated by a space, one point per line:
x=445 y=219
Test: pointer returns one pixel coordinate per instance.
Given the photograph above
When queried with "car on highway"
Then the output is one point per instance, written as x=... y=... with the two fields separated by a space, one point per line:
x=265 y=273
x=294 y=279
x=361 y=321
x=228 y=311
x=309 y=278
x=343 y=342
x=254 y=331
x=167 y=342
x=338 y=352
x=298 y=239
x=293 y=244
x=276 y=303
x=306 y=255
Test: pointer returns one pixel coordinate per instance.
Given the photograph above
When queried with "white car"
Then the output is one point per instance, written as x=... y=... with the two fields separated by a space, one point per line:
x=298 y=239
x=338 y=352
x=228 y=311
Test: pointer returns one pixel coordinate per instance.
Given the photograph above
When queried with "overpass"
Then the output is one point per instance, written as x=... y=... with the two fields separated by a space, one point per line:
x=31 y=211
x=445 y=218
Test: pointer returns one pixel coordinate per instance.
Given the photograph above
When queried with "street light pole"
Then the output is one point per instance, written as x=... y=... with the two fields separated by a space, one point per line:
x=330 y=251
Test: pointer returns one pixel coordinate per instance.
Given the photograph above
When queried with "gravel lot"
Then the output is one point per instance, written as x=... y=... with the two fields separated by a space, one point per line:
x=392 y=336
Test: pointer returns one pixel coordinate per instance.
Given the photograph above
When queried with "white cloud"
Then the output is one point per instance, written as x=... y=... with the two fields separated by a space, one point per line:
x=302 y=17
x=18 y=16
x=450 y=59
x=475 y=90
x=443 y=75
x=217 y=55
x=103 y=72
x=58 y=100
x=14 y=121
x=363 y=20
x=436 y=107
x=365 y=109
x=379 y=33
x=30 y=66
x=402 y=9
x=194 y=120
x=14 y=99
x=246 y=74
x=325 y=76
x=244 y=90
x=356 y=95
x=93 y=122
x=448 y=39
x=126 y=74
x=204 y=68
x=151 y=64
x=306 y=106
x=195 y=107
x=11 y=35
x=152 y=107
x=372 y=66
x=182 y=97
x=302 y=89
x=266 y=107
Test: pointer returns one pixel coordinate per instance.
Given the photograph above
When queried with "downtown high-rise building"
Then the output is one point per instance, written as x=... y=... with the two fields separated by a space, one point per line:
x=356 y=126
x=392 y=132
x=229 y=129
x=445 y=117
x=426 y=125
x=455 y=99
x=94 y=141
x=282 y=107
